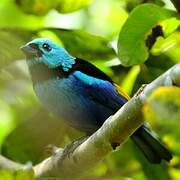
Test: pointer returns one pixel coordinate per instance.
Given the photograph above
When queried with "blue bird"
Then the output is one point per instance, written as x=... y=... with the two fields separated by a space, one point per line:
x=81 y=94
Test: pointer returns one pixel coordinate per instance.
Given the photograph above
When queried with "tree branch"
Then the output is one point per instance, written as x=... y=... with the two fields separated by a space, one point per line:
x=8 y=164
x=117 y=128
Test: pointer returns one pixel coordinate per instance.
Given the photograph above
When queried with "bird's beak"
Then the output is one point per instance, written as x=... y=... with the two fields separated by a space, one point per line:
x=28 y=50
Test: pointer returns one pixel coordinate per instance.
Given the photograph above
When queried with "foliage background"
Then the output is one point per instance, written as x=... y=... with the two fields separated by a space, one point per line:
x=95 y=31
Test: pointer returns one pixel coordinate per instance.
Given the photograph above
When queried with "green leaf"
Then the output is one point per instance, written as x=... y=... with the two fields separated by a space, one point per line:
x=37 y=7
x=21 y=174
x=163 y=104
x=32 y=145
x=42 y=7
x=170 y=25
x=12 y=16
x=6 y=121
x=141 y=25
x=128 y=82
x=162 y=109
x=67 y=6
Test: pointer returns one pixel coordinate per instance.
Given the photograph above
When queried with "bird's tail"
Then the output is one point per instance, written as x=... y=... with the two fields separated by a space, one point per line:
x=150 y=145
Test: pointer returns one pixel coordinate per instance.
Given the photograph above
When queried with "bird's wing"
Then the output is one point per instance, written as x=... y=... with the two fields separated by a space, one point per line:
x=99 y=86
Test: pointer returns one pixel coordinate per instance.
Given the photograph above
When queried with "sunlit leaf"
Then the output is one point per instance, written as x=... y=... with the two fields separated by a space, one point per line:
x=41 y=7
x=21 y=174
x=169 y=46
x=106 y=17
x=170 y=25
x=175 y=173
x=6 y=120
x=163 y=110
x=164 y=105
x=37 y=7
x=128 y=83
x=12 y=16
x=67 y=6
x=134 y=42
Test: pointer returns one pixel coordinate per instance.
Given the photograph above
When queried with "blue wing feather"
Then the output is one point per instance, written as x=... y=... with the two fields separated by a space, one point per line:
x=101 y=91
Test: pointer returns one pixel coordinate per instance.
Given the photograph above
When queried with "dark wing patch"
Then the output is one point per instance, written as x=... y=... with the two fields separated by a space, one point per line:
x=89 y=69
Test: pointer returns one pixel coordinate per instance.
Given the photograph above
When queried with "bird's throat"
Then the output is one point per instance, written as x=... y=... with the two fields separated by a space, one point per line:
x=40 y=72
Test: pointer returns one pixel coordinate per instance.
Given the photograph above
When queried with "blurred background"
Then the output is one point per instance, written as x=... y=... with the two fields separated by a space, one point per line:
x=88 y=29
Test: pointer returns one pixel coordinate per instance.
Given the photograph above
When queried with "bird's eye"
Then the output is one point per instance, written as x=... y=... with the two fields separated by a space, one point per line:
x=46 y=47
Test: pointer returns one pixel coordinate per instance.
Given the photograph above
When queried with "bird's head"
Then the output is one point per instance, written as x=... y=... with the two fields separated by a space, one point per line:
x=42 y=50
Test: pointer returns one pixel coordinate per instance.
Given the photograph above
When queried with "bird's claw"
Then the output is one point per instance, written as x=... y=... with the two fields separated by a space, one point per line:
x=70 y=148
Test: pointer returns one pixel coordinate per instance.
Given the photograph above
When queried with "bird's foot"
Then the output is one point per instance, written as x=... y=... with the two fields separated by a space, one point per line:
x=70 y=148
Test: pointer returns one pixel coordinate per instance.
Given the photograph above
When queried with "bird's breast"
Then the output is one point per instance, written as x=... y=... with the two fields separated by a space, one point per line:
x=67 y=99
